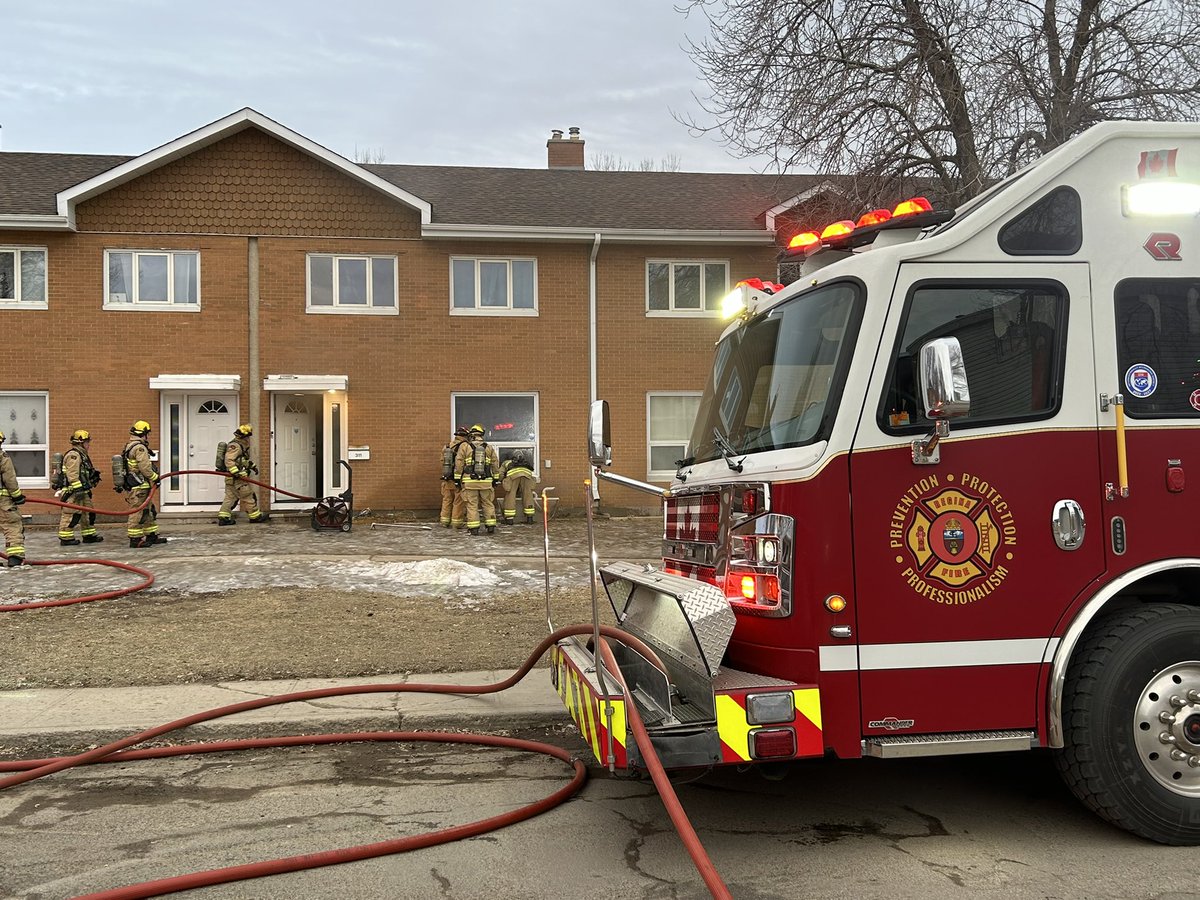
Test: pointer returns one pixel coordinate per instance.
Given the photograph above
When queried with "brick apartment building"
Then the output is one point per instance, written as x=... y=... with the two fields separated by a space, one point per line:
x=244 y=273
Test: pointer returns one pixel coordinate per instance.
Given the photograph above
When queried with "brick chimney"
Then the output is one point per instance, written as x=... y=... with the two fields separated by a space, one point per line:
x=564 y=153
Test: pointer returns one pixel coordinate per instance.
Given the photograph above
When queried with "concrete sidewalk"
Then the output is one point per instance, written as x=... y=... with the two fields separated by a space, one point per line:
x=90 y=716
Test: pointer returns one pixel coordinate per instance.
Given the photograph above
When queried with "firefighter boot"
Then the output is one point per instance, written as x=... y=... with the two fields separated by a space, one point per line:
x=260 y=520
x=491 y=529
x=473 y=531
x=224 y=522
x=507 y=520
x=68 y=542
x=92 y=538
x=155 y=538
x=135 y=542
x=528 y=520
x=14 y=561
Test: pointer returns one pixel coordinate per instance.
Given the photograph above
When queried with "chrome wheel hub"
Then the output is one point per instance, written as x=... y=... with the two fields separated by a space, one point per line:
x=1166 y=728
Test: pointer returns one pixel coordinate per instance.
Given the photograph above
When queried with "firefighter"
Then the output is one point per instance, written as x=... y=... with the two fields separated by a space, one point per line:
x=77 y=480
x=238 y=492
x=475 y=472
x=453 y=509
x=140 y=476
x=518 y=480
x=10 y=520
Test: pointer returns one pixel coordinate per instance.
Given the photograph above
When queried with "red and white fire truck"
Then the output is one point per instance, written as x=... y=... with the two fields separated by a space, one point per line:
x=936 y=497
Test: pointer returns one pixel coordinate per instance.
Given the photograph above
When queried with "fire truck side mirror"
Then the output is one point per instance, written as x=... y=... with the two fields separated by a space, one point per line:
x=944 y=380
x=599 y=438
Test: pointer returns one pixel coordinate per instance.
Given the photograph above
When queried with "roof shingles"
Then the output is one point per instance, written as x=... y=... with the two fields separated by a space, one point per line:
x=463 y=195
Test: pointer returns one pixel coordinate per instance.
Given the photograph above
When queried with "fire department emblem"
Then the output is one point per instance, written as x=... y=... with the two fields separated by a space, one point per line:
x=1141 y=380
x=955 y=539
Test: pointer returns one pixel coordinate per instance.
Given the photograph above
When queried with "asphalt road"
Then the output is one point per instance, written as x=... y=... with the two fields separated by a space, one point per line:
x=962 y=827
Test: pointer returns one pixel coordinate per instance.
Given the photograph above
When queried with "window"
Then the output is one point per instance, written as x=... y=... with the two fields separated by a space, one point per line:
x=1012 y=337
x=777 y=380
x=686 y=286
x=352 y=284
x=510 y=421
x=23 y=277
x=152 y=278
x=669 y=421
x=1158 y=333
x=23 y=421
x=493 y=286
x=1053 y=226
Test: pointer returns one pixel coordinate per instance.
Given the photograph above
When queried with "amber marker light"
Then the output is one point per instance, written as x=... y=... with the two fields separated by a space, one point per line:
x=912 y=207
x=835 y=603
x=837 y=229
x=805 y=241
x=874 y=217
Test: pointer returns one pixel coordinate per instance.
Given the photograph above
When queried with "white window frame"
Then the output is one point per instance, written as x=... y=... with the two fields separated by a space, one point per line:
x=702 y=312
x=135 y=303
x=43 y=445
x=661 y=474
x=16 y=302
x=502 y=445
x=478 y=309
x=339 y=309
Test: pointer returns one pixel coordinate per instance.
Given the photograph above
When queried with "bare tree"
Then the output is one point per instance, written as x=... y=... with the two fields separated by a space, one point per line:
x=369 y=155
x=957 y=92
x=610 y=162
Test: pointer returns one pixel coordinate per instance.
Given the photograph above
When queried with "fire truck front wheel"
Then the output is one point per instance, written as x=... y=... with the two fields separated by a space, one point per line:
x=1131 y=722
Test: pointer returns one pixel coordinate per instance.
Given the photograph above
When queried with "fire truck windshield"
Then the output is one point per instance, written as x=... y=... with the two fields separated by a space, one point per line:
x=773 y=379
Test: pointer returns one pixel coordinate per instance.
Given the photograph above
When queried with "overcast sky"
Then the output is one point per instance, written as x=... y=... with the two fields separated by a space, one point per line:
x=443 y=83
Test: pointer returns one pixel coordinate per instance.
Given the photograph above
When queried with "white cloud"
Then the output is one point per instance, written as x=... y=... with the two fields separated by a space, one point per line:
x=480 y=84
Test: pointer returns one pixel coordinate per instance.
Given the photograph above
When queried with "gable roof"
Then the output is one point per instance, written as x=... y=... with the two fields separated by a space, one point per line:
x=40 y=190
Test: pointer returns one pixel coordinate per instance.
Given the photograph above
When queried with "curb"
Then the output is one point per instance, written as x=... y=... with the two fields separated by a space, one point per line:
x=73 y=719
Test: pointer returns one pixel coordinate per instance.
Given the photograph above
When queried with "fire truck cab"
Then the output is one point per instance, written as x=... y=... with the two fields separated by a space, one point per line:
x=935 y=500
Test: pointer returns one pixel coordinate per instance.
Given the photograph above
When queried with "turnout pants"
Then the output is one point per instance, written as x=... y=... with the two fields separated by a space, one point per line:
x=518 y=489
x=241 y=494
x=144 y=523
x=13 y=528
x=454 y=510
x=72 y=517
x=480 y=500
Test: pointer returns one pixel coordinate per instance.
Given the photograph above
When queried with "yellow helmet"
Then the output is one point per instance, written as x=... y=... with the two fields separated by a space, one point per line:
x=1 y=437
x=244 y=430
x=80 y=436
x=141 y=428
x=476 y=429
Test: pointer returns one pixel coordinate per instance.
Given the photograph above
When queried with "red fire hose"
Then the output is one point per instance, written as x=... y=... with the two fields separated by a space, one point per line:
x=116 y=751
x=148 y=578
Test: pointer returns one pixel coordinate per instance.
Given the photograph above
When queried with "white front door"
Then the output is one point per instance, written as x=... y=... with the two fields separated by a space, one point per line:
x=210 y=419
x=295 y=453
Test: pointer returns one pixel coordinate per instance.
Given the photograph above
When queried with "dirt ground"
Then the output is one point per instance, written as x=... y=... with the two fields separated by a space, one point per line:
x=275 y=633
x=298 y=615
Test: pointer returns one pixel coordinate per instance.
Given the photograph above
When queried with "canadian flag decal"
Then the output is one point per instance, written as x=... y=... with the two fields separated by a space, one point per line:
x=1157 y=164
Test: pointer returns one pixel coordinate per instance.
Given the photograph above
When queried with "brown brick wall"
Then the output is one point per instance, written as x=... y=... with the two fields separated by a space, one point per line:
x=401 y=370
x=640 y=354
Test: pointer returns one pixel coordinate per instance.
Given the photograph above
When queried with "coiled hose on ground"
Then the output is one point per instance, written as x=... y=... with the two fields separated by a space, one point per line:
x=30 y=770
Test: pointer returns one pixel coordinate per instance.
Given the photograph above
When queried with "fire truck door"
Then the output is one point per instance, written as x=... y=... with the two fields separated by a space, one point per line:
x=963 y=566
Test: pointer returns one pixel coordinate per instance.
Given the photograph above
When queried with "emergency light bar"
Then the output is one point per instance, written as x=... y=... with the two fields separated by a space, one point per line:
x=916 y=212
x=1161 y=198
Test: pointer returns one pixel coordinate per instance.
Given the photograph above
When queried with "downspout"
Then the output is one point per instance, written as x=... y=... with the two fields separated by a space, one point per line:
x=593 y=388
x=254 y=389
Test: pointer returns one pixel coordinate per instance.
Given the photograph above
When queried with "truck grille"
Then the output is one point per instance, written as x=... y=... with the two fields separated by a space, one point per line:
x=693 y=517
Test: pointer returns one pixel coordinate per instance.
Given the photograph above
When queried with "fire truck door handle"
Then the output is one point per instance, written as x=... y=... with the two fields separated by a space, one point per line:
x=1068 y=525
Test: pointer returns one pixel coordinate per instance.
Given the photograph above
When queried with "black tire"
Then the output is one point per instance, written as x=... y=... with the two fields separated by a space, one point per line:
x=1126 y=708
